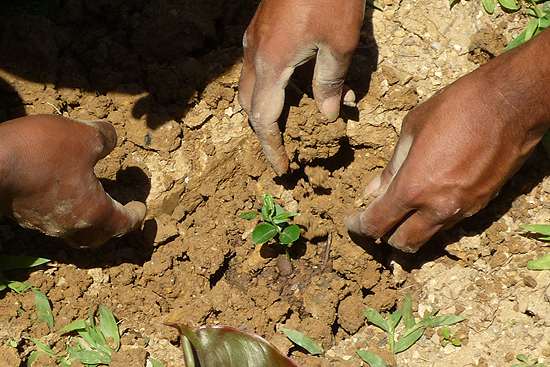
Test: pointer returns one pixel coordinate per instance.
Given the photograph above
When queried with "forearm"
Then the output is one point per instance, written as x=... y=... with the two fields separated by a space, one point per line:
x=520 y=80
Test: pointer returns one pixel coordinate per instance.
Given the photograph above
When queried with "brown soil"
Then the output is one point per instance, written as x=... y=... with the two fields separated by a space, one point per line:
x=165 y=73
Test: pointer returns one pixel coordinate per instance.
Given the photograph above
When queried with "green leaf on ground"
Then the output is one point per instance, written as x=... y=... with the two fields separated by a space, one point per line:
x=375 y=318
x=289 y=234
x=542 y=263
x=405 y=342
x=43 y=308
x=248 y=215
x=109 y=326
x=8 y=262
x=489 y=6
x=303 y=341
x=263 y=233
x=372 y=359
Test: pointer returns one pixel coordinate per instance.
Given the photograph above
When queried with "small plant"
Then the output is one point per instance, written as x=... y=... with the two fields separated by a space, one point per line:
x=412 y=332
x=9 y=262
x=274 y=224
x=303 y=341
x=542 y=232
x=448 y=337
x=527 y=362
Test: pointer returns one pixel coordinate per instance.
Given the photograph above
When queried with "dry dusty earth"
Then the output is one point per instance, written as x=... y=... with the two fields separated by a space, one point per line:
x=165 y=73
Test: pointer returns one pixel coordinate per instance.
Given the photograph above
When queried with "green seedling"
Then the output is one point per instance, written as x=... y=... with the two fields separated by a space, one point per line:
x=413 y=330
x=9 y=262
x=448 y=337
x=542 y=232
x=527 y=362
x=43 y=308
x=304 y=341
x=274 y=224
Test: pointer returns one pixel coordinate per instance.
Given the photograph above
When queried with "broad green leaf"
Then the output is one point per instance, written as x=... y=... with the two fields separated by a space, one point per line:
x=77 y=325
x=263 y=233
x=446 y=333
x=154 y=362
x=543 y=229
x=531 y=29
x=522 y=358
x=509 y=5
x=43 y=346
x=456 y=342
x=289 y=234
x=92 y=357
x=542 y=263
x=8 y=262
x=278 y=212
x=375 y=318
x=248 y=215
x=109 y=326
x=408 y=317
x=489 y=6
x=19 y=287
x=284 y=216
x=372 y=359
x=405 y=342
x=434 y=321
x=303 y=341
x=43 y=308
x=394 y=319
x=223 y=346
x=269 y=205
x=33 y=356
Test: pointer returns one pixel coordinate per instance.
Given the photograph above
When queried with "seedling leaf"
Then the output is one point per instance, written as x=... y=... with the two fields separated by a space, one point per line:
x=405 y=342
x=154 y=362
x=489 y=6
x=263 y=233
x=284 y=216
x=19 y=287
x=43 y=346
x=269 y=205
x=303 y=341
x=43 y=307
x=224 y=346
x=77 y=325
x=375 y=318
x=408 y=317
x=92 y=357
x=542 y=263
x=248 y=215
x=8 y=262
x=109 y=326
x=531 y=29
x=372 y=359
x=543 y=229
x=289 y=234
x=446 y=333
x=509 y=5
x=434 y=321
x=393 y=320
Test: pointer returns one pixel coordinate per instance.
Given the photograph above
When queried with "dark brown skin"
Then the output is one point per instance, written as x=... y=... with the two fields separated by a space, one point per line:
x=47 y=180
x=457 y=149
x=283 y=35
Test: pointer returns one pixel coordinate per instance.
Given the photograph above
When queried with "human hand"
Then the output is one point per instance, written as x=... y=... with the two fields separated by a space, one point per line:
x=47 y=181
x=457 y=149
x=283 y=35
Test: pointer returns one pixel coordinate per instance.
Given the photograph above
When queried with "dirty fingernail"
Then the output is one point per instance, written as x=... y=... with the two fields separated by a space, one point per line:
x=349 y=98
x=331 y=108
x=372 y=187
x=353 y=223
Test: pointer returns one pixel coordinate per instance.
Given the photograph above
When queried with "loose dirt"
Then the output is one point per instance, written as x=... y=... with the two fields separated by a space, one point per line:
x=165 y=73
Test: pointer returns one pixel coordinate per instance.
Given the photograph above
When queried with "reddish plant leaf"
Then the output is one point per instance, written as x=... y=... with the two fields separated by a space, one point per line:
x=225 y=346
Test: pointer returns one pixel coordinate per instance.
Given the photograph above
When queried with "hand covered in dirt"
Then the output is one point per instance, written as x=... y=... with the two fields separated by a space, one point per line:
x=457 y=149
x=283 y=35
x=47 y=181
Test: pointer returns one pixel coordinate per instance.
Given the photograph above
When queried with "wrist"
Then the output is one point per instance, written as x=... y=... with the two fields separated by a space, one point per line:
x=517 y=83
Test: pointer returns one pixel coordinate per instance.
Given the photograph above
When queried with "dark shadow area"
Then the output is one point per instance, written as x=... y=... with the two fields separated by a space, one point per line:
x=529 y=176
x=168 y=48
